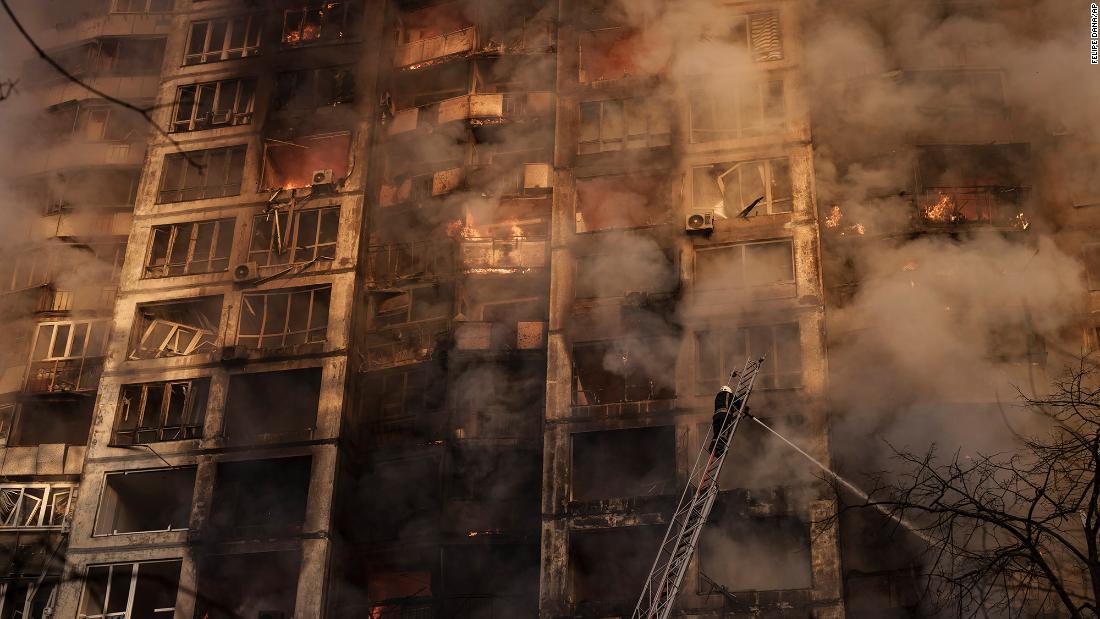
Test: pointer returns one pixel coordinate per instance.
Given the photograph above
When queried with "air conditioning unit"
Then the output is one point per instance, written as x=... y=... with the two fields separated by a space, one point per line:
x=244 y=273
x=700 y=222
x=323 y=177
x=232 y=354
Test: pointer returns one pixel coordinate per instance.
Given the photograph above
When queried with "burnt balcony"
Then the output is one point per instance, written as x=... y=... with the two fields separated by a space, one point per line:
x=476 y=109
x=397 y=263
x=485 y=256
x=413 y=189
x=417 y=54
x=472 y=336
x=64 y=375
x=1001 y=207
x=407 y=343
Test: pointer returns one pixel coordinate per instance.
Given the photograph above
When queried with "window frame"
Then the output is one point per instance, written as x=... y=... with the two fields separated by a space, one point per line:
x=770 y=377
x=205 y=190
x=252 y=42
x=772 y=118
x=131 y=593
x=46 y=505
x=310 y=332
x=769 y=181
x=241 y=112
x=346 y=8
x=275 y=222
x=626 y=140
x=744 y=248
x=104 y=330
x=193 y=411
x=151 y=271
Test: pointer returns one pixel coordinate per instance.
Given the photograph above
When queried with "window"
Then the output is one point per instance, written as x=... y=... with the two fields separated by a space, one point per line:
x=622 y=201
x=29 y=506
x=416 y=305
x=310 y=89
x=70 y=340
x=237 y=586
x=199 y=174
x=615 y=124
x=745 y=265
x=617 y=274
x=141 y=6
x=284 y=317
x=87 y=188
x=190 y=247
x=224 y=38
x=145 y=501
x=626 y=370
x=145 y=590
x=403 y=392
x=609 y=53
x=311 y=237
x=25 y=269
x=176 y=329
x=114 y=56
x=602 y=592
x=260 y=498
x=775 y=550
x=100 y=123
x=292 y=163
x=164 y=411
x=52 y=422
x=273 y=404
x=623 y=463
x=214 y=104
x=319 y=21
x=759 y=33
x=720 y=351
x=754 y=110
x=729 y=188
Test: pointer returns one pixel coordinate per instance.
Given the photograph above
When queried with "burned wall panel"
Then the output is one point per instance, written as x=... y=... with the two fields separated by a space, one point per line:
x=273 y=404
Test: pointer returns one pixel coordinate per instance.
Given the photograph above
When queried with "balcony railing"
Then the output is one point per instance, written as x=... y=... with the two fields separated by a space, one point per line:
x=410 y=343
x=416 y=52
x=997 y=206
x=490 y=255
x=398 y=262
x=64 y=375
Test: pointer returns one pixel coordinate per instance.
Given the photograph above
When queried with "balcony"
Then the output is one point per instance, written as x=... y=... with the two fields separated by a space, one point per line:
x=1001 y=207
x=482 y=107
x=79 y=154
x=412 y=55
x=498 y=336
x=401 y=262
x=404 y=344
x=515 y=255
x=83 y=225
x=64 y=375
x=421 y=187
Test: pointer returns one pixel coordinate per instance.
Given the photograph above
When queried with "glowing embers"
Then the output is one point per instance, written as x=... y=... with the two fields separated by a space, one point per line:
x=998 y=206
x=432 y=33
x=834 y=221
x=319 y=21
x=292 y=163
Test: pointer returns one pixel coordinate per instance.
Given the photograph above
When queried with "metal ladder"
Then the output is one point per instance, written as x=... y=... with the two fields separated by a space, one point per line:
x=667 y=574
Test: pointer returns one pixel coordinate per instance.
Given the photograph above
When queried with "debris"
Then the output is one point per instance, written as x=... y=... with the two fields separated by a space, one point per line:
x=744 y=214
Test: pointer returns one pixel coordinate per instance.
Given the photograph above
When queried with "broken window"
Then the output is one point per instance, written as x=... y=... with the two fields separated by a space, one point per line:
x=401 y=261
x=718 y=352
x=730 y=188
x=214 y=104
x=599 y=591
x=291 y=164
x=131 y=590
x=311 y=237
x=272 y=404
x=284 y=317
x=141 y=6
x=67 y=356
x=254 y=585
x=145 y=501
x=163 y=411
x=200 y=174
x=260 y=498
x=176 y=329
x=26 y=598
x=91 y=122
x=190 y=247
x=625 y=370
x=635 y=269
x=615 y=124
x=319 y=21
x=310 y=89
x=621 y=201
x=225 y=38
x=416 y=305
x=31 y=506
x=52 y=422
x=609 y=54
x=623 y=463
x=981 y=183
x=744 y=265
x=772 y=552
x=756 y=109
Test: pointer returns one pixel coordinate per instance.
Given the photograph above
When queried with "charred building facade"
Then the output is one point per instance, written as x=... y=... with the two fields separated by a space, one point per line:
x=411 y=309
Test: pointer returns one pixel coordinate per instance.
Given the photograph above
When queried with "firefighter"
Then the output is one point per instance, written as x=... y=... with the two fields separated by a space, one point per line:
x=724 y=405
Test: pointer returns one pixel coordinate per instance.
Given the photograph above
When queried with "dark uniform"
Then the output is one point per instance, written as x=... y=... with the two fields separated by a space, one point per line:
x=725 y=407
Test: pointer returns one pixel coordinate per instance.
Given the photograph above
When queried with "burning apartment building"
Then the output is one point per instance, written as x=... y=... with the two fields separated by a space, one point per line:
x=410 y=309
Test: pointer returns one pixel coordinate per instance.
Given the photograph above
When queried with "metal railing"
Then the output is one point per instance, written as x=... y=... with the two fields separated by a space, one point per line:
x=416 y=52
x=64 y=375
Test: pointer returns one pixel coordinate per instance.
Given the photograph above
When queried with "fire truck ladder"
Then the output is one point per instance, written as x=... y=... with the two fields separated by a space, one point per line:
x=667 y=574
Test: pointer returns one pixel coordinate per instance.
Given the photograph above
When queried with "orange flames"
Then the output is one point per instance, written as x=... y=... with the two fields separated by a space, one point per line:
x=834 y=219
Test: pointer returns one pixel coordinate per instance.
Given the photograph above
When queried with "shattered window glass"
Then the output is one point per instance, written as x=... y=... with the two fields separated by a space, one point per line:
x=284 y=317
x=732 y=188
x=313 y=237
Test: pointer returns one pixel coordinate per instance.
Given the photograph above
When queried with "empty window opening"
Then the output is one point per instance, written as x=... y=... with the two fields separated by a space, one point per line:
x=415 y=498
x=615 y=124
x=214 y=104
x=417 y=305
x=489 y=581
x=248 y=585
x=772 y=553
x=627 y=370
x=622 y=201
x=225 y=38
x=260 y=498
x=34 y=506
x=163 y=411
x=637 y=268
x=67 y=356
x=201 y=174
x=395 y=395
x=93 y=122
x=623 y=463
x=283 y=236
x=293 y=163
x=284 y=317
x=190 y=247
x=730 y=188
x=52 y=422
x=754 y=110
x=514 y=412
x=719 y=351
x=176 y=329
x=745 y=265
x=310 y=89
x=599 y=591
x=138 y=501
x=319 y=21
x=130 y=590
x=609 y=54
x=27 y=597
x=273 y=404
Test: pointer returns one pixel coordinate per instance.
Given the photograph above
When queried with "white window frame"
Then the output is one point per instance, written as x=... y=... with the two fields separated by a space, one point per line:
x=253 y=27
x=55 y=324
x=244 y=103
x=135 y=566
x=41 y=513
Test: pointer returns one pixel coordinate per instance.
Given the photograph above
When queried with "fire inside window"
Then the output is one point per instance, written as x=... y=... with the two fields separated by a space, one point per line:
x=214 y=104
x=32 y=506
x=728 y=189
x=144 y=589
x=201 y=174
x=755 y=110
x=226 y=38
x=190 y=247
x=284 y=317
x=615 y=124
x=167 y=411
x=609 y=54
x=323 y=21
x=719 y=351
x=292 y=164
x=311 y=236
